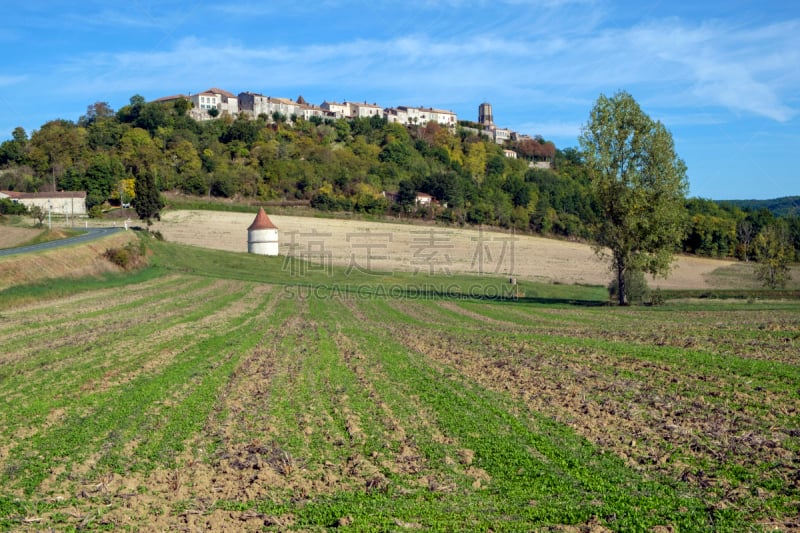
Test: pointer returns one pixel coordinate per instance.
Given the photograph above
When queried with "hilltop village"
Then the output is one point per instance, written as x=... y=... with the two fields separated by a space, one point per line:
x=216 y=102
x=419 y=162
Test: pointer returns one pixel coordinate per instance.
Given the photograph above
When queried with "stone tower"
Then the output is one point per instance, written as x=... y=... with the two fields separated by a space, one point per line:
x=485 y=114
x=262 y=235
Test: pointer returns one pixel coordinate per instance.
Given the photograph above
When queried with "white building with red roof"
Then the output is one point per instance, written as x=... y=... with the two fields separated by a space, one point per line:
x=262 y=235
x=223 y=101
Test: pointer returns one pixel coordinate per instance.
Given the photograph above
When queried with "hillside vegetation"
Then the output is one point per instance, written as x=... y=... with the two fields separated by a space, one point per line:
x=341 y=165
x=203 y=393
x=784 y=207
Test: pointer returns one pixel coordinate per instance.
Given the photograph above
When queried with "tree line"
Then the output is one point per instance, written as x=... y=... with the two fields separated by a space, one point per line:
x=345 y=165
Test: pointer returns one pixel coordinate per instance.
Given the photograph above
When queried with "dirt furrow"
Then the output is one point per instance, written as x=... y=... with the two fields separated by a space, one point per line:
x=620 y=405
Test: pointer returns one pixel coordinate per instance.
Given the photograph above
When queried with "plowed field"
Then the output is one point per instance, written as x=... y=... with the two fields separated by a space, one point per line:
x=195 y=403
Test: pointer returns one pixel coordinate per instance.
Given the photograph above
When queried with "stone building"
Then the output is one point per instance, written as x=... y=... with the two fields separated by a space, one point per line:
x=62 y=203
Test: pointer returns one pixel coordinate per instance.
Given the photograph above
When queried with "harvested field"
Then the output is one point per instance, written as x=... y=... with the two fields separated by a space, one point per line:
x=192 y=402
x=434 y=249
x=11 y=236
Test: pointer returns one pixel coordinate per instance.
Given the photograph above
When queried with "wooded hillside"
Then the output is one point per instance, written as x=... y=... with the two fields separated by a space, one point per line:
x=337 y=165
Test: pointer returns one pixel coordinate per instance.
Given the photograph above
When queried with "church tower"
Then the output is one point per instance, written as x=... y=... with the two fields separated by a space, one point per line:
x=485 y=114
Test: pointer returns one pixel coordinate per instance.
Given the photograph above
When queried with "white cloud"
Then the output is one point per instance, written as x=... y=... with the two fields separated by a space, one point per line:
x=6 y=81
x=669 y=63
x=111 y=18
x=737 y=69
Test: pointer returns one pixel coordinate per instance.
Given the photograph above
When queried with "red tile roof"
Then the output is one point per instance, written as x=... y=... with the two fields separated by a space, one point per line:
x=59 y=194
x=261 y=221
x=223 y=92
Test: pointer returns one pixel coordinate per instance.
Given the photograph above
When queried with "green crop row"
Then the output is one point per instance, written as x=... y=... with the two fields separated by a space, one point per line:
x=101 y=422
x=358 y=402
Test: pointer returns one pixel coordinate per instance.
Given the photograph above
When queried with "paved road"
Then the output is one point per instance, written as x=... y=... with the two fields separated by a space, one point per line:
x=90 y=235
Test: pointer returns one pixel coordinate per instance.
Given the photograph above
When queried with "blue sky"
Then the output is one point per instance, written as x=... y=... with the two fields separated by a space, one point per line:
x=724 y=77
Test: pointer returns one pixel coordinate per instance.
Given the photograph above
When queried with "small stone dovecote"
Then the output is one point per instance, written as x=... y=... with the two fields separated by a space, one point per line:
x=262 y=235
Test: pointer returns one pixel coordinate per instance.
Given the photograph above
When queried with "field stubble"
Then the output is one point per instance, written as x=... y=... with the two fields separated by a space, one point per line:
x=438 y=249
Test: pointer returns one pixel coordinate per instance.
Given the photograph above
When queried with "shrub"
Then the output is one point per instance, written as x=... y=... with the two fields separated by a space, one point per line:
x=119 y=256
x=9 y=207
x=656 y=297
x=636 y=283
x=96 y=211
x=129 y=256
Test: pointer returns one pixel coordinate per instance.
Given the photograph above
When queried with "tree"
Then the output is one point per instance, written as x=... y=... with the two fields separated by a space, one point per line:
x=181 y=106
x=396 y=152
x=13 y=151
x=102 y=176
x=94 y=112
x=138 y=151
x=126 y=191
x=153 y=116
x=475 y=162
x=639 y=184
x=38 y=214
x=148 y=200
x=56 y=147
x=407 y=196
x=773 y=252
x=745 y=233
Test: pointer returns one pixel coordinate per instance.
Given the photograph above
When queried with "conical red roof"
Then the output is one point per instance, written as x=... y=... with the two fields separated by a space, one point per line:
x=261 y=221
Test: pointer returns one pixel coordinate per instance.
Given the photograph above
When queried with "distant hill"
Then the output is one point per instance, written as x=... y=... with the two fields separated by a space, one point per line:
x=786 y=206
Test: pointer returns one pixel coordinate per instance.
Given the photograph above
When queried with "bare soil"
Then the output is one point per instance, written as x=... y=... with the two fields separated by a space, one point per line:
x=423 y=248
x=623 y=405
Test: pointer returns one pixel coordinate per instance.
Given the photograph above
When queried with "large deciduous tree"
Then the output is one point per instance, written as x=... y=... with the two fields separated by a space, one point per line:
x=56 y=147
x=640 y=187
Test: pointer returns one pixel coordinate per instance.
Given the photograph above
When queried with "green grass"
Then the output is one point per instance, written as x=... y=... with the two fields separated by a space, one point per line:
x=742 y=276
x=59 y=288
x=314 y=280
x=48 y=235
x=223 y=384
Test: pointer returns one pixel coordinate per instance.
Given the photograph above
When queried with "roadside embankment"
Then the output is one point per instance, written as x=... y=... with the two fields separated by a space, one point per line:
x=76 y=261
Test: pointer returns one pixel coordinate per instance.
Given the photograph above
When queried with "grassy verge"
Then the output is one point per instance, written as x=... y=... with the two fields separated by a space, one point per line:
x=48 y=235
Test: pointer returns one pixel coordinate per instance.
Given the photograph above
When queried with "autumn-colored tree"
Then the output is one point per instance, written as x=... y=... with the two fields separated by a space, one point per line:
x=125 y=191
x=96 y=111
x=475 y=161
x=536 y=149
